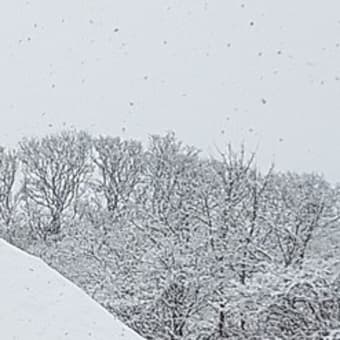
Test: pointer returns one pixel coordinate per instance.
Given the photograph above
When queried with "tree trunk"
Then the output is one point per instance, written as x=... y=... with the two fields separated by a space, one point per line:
x=221 y=320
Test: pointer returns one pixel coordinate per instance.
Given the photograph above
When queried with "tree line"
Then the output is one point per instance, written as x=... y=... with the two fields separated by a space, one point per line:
x=177 y=245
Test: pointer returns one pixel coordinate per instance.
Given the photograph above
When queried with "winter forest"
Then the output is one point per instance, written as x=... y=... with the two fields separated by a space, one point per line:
x=176 y=244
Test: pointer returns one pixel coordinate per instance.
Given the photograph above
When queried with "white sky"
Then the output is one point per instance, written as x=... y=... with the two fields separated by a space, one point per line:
x=200 y=68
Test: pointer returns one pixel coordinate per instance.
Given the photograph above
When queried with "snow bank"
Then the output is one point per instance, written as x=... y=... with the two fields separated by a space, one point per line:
x=37 y=303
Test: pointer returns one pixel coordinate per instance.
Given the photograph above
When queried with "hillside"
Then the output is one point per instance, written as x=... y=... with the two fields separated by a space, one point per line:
x=37 y=303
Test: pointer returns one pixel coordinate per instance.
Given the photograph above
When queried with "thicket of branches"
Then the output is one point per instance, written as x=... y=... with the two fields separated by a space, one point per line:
x=178 y=246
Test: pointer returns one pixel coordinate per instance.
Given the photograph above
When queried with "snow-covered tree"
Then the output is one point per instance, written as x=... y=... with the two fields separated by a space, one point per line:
x=120 y=165
x=8 y=197
x=55 y=168
x=298 y=208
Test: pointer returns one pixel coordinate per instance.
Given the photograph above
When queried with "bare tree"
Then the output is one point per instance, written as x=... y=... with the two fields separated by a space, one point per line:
x=229 y=204
x=163 y=220
x=119 y=164
x=169 y=178
x=55 y=169
x=298 y=209
x=8 y=198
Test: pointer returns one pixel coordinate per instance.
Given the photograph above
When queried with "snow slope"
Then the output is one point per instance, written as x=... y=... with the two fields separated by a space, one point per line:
x=37 y=303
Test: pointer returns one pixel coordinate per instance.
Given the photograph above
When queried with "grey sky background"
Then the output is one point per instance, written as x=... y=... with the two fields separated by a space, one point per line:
x=266 y=73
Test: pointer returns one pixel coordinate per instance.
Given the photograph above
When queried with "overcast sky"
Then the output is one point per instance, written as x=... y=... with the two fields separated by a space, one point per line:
x=263 y=72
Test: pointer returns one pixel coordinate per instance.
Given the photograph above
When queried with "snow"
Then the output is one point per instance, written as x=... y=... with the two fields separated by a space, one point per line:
x=37 y=303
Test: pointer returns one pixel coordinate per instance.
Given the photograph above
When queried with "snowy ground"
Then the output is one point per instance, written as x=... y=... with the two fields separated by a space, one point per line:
x=37 y=303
